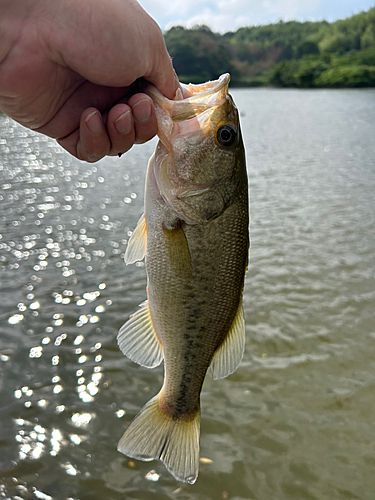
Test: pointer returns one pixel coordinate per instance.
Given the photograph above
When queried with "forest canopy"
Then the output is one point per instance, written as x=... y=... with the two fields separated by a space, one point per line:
x=285 y=54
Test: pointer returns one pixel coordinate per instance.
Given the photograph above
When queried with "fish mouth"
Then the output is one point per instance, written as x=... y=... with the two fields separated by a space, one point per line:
x=192 y=114
x=202 y=98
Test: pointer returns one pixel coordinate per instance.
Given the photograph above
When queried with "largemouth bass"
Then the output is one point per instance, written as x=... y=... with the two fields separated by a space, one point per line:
x=194 y=237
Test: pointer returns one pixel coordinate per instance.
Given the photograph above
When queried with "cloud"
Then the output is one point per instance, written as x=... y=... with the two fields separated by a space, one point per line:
x=290 y=9
x=217 y=21
x=221 y=15
x=228 y=15
x=168 y=8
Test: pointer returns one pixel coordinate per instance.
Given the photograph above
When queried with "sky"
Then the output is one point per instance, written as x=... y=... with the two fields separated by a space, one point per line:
x=229 y=15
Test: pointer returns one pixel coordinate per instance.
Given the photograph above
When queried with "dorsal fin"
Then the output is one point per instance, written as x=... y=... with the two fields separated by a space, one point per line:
x=229 y=354
x=137 y=339
x=137 y=244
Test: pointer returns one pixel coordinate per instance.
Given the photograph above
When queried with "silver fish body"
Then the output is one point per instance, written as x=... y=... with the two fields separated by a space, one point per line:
x=194 y=236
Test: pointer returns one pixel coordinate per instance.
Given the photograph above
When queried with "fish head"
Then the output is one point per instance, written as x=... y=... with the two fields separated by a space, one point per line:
x=199 y=159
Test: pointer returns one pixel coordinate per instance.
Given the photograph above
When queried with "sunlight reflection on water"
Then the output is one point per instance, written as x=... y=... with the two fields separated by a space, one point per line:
x=58 y=226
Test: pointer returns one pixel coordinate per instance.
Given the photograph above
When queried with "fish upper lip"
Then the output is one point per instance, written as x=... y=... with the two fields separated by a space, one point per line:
x=222 y=81
x=198 y=103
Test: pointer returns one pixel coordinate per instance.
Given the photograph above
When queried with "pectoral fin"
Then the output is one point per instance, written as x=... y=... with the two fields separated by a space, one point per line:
x=137 y=244
x=178 y=250
x=229 y=355
x=137 y=339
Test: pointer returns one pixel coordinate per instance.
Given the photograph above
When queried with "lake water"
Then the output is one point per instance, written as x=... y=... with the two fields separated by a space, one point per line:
x=296 y=421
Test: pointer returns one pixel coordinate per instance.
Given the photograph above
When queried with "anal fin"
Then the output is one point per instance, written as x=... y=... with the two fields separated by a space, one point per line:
x=137 y=339
x=136 y=248
x=229 y=354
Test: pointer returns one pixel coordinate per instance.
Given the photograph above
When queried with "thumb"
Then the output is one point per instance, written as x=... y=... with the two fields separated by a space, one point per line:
x=162 y=74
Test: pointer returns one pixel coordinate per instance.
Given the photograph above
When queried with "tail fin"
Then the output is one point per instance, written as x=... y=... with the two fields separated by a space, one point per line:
x=155 y=435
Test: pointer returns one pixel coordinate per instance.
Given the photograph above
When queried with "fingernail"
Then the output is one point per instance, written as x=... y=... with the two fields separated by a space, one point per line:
x=123 y=123
x=94 y=122
x=142 y=111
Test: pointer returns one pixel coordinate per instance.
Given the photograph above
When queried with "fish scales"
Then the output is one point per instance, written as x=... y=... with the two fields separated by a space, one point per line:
x=194 y=236
x=202 y=305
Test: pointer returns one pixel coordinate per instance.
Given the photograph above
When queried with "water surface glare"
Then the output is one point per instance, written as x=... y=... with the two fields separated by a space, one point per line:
x=296 y=421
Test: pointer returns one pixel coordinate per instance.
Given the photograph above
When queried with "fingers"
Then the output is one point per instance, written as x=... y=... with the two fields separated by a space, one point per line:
x=120 y=127
x=114 y=133
x=165 y=79
x=134 y=122
x=160 y=69
x=145 y=123
x=93 y=141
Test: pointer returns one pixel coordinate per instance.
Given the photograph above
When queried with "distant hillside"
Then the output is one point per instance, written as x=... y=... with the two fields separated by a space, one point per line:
x=287 y=54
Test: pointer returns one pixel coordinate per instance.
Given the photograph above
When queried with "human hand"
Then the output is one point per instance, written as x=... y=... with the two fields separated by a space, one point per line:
x=67 y=69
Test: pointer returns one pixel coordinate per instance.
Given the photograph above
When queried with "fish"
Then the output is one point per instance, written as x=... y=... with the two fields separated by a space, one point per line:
x=194 y=236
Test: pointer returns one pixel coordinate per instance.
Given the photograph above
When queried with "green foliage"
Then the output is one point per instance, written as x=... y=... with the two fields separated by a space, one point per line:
x=363 y=57
x=347 y=76
x=344 y=71
x=307 y=47
x=309 y=54
x=301 y=73
x=198 y=53
x=368 y=37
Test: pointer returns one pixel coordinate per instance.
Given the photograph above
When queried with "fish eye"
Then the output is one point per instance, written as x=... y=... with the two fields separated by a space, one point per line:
x=226 y=135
